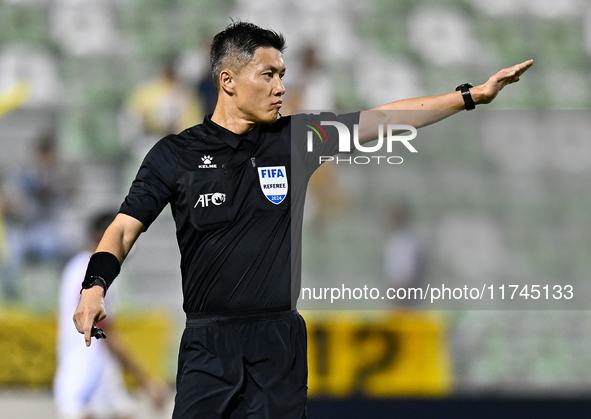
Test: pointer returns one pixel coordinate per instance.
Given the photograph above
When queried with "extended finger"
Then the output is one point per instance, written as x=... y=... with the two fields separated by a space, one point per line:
x=511 y=77
x=523 y=67
x=88 y=332
x=505 y=75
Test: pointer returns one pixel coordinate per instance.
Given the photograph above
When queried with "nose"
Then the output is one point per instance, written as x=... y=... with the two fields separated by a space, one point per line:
x=279 y=89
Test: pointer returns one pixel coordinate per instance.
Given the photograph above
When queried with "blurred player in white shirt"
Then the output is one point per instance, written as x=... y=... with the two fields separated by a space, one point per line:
x=88 y=383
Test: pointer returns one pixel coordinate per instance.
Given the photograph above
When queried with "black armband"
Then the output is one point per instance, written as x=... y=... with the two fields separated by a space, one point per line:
x=103 y=268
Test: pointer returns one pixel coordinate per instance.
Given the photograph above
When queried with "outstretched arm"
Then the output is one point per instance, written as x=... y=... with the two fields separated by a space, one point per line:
x=440 y=106
x=117 y=240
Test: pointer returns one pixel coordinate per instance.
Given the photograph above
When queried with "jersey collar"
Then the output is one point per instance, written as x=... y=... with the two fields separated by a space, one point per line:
x=227 y=136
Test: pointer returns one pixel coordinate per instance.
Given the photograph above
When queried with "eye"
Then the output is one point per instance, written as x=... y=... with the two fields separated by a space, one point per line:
x=268 y=74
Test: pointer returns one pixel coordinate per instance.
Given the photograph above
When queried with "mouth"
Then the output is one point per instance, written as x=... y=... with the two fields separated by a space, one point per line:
x=277 y=104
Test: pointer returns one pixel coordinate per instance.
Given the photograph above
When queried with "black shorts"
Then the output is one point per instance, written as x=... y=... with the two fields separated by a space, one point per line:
x=246 y=366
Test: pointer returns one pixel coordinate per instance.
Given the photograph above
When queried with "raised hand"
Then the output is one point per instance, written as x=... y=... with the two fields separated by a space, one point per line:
x=486 y=92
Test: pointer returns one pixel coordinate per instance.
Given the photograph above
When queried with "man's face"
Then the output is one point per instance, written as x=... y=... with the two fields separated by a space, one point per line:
x=258 y=86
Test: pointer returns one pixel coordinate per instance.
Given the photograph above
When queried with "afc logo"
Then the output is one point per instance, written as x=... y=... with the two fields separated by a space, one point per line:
x=215 y=198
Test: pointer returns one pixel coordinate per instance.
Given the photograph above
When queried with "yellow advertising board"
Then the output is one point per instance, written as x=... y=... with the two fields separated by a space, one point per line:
x=399 y=354
x=28 y=344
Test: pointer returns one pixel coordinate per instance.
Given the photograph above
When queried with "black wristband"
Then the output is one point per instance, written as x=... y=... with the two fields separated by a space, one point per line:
x=469 y=104
x=103 y=265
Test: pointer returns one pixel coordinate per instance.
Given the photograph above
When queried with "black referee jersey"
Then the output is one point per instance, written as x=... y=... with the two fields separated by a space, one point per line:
x=232 y=199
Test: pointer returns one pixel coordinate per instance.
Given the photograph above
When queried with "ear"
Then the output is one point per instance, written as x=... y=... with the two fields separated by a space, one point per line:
x=227 y=78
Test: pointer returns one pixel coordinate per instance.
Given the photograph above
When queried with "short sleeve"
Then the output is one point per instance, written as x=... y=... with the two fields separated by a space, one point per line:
x=154 y=183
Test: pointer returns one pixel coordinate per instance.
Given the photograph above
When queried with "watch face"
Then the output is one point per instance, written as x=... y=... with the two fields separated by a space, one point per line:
x=464 y=86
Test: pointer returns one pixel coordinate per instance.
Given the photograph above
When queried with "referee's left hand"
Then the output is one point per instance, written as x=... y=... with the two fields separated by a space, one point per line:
x=91 y=310
x=486 y=92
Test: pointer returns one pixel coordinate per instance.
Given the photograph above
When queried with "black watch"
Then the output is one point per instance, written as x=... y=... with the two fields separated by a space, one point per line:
x=96 y=280
x=468 y=101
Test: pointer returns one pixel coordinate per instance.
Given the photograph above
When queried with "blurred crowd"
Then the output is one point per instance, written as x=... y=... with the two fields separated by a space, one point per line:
x=32 y=199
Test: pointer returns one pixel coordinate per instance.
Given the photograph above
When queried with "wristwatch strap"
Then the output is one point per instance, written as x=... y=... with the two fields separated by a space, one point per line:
x=96 y=280
x=468 y=101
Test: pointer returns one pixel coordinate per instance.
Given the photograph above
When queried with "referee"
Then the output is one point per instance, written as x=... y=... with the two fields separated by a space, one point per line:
x=237 y=208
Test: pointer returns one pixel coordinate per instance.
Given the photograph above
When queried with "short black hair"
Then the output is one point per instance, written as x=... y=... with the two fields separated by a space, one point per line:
x=236 y=45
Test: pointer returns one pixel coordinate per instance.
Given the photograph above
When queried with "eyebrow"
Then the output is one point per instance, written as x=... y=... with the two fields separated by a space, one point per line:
x=273 y=68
